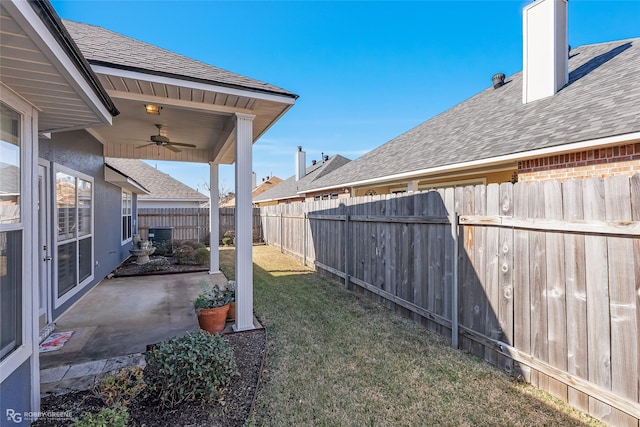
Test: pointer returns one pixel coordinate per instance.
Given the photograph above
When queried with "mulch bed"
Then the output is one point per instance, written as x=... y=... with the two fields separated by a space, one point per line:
x=231 y=410
x=130 y=268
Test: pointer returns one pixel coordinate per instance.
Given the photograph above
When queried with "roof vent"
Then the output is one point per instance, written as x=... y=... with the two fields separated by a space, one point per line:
x=498 y=80
x=325 y=158
x=313 y=162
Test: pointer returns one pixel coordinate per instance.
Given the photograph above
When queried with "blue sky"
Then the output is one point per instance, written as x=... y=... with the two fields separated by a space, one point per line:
x=366 y=72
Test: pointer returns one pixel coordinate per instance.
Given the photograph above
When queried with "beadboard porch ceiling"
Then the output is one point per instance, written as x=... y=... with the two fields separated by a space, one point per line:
x=196 y=113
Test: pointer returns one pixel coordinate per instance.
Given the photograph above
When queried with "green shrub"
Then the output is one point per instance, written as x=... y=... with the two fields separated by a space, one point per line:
x=197 y=366
x=194 y=244
x=156 y=264
x=118 y=416
x=227 y=241
x=122 y=388
x=202 y=256
x=164 y=248
x=184 y=255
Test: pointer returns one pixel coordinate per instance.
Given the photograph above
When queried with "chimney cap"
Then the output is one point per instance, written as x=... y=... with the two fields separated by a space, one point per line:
x=498 y=80
x=299 y=147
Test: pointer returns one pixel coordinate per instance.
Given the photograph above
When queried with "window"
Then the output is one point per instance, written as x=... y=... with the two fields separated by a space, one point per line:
x=9 y=166
x=11 y=231
x=325 y=197
x=74 y=208
x=316 y=197
x=334 y=195
x=126 y=216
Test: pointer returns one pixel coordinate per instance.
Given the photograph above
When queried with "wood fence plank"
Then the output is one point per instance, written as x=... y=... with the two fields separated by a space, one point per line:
x=468 y=278
x=506 y=266
x=449 y=205
x=442 y=233
x=521 y=290
x=556 y=289
x=419 y=253
x=479 y=295
x=538 y=285
x=576 y=297
x=635 y=214
x=492 y=272
x=598 y=316
x=622 y=290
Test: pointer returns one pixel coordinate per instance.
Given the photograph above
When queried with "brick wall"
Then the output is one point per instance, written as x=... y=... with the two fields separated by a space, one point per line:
x=603 y=162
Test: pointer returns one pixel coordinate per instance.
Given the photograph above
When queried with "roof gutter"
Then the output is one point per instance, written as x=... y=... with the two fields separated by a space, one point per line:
x=560 y=149
x=52 y=21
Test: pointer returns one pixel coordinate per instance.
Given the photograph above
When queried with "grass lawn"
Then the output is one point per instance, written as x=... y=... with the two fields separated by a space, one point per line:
x=335 y=358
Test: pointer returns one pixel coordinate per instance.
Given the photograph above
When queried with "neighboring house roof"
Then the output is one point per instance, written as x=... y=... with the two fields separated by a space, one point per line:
x=104 y=47
x=266 y=185
x=160 y=185
x=291 y=188
x=601 y=99
x=230 y=200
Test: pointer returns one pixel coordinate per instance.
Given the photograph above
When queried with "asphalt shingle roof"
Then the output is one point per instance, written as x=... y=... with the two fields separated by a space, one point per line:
x=159 y=184
x=601 y=99
x=104 y=47
x=290 y=187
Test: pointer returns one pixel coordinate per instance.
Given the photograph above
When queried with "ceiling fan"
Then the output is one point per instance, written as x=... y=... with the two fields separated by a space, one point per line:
x=164 y=141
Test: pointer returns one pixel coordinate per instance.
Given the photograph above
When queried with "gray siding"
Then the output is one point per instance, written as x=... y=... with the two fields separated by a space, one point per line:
x=15 y=394
x=79 y=151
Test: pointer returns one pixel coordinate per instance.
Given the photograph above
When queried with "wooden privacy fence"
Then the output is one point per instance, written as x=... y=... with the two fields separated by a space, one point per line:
x=541 y=279
x=191 y=223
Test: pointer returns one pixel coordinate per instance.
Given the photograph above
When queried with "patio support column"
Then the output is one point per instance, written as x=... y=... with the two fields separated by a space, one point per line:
x=214 y=220
x=244 y=223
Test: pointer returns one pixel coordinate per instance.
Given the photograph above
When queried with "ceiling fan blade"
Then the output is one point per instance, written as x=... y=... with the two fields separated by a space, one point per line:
x=174 y=149
x=182 y=144
x=146 y=145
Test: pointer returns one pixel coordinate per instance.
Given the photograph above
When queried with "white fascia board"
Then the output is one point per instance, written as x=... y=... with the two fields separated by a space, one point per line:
x=525 y=155
x=278 y=199
x=256 y=94
x=38 y=32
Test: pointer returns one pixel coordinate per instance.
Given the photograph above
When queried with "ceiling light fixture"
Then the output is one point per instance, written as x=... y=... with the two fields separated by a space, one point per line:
x=152 y=109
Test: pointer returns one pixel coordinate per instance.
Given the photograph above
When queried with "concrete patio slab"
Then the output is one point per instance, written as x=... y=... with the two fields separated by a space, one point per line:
x=122 y=316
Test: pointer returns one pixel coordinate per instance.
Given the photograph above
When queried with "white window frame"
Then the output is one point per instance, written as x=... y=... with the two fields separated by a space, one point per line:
x=126 y=196
x=58 y=301
x=27 y=224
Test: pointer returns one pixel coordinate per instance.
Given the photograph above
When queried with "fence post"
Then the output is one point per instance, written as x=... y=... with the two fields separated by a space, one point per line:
x=304 y=238
x=454 y=282
x=281 y=232
x=346 y=247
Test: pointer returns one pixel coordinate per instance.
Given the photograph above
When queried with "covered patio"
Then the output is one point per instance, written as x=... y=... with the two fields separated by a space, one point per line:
x=178 y=109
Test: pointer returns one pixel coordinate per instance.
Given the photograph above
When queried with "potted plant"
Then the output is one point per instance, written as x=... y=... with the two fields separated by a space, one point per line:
x=230 y=290
x=211 y=306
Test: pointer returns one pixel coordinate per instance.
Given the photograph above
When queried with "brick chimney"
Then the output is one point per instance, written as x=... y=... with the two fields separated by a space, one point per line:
x=545 y=50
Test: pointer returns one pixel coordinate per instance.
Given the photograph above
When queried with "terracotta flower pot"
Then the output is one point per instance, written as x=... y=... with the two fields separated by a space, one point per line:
x=231 y=315
x=213 y=319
